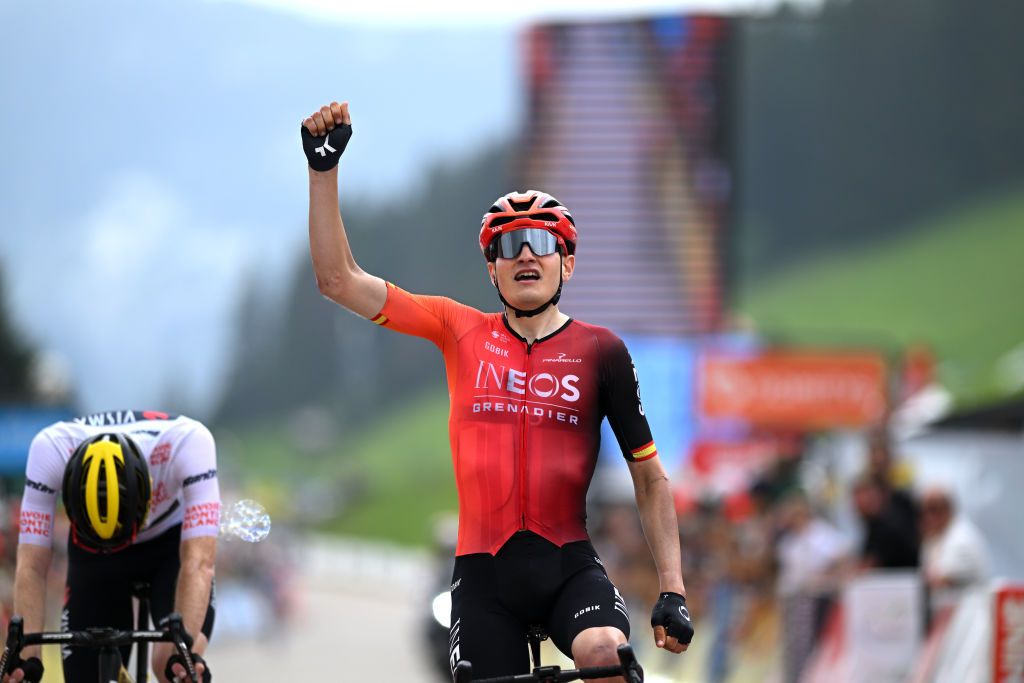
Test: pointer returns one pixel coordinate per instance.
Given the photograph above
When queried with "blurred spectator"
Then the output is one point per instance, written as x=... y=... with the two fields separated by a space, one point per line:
x=894 y=475
x=812 y=557
x=883 y=466
x=890 y=531
x=741 y=589
x=756 y=536
x=719 y=577
x=954 y=553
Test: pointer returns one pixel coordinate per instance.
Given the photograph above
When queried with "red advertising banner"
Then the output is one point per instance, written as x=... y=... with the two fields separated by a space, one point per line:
x=1008 y=653
x=804 y=391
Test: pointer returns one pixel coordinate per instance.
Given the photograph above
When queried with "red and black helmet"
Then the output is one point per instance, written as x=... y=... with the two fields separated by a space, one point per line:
x=106 y=492
x=530 y=209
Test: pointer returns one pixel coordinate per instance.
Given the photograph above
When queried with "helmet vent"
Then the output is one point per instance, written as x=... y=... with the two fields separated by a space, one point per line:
x=502 y=220
x=543 y=217
x=523 y=205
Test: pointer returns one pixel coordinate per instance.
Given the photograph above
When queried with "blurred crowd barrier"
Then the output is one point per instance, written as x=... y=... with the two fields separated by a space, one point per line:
x=846 y=557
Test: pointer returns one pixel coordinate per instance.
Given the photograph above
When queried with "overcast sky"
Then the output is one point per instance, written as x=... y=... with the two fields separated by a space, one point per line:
x=393 y=13
x=152 y=167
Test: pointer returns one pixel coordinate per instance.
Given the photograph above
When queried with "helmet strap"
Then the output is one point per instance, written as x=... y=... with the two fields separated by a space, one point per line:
x=520 y=313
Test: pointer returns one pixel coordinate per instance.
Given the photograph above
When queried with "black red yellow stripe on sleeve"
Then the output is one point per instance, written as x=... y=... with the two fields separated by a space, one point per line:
x=645 y=452
x=380 y=318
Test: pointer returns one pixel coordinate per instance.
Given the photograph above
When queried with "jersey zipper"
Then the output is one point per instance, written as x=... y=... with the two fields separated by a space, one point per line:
x=522 y=448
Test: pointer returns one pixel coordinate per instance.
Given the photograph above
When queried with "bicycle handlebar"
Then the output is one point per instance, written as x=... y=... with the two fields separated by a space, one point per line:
x=175 y=633
x=627 y=667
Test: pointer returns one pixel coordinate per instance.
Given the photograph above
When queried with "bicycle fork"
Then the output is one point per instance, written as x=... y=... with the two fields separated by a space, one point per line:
x=110 y=665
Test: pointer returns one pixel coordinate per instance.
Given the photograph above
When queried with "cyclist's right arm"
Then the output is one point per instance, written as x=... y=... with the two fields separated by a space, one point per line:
x=44 y=470
x=30 y=591
x=338 y=276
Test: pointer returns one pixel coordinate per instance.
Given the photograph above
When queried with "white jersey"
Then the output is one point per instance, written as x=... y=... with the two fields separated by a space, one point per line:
x=182 y=462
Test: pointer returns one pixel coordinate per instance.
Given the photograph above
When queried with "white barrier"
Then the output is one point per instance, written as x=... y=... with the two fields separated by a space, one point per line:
x=365 y=566
x=884 y=625
x=882 y=630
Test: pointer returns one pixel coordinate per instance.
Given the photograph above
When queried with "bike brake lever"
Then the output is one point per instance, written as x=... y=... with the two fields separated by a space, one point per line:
x=630 y=667
x=463 y=672
x=13 y=645
x=176 y=629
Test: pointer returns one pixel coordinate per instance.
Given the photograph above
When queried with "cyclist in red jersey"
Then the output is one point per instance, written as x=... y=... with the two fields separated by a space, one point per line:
x=529 y=388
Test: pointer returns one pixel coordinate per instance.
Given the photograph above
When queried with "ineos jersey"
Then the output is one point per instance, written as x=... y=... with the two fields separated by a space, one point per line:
x=182 y=464
x=525 y=419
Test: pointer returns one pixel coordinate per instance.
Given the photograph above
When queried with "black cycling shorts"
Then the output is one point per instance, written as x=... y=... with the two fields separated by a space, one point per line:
x=531 y=581
x=99 y=593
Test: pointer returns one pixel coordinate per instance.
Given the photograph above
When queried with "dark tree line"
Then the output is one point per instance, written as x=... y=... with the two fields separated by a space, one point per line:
x=15 y=358
x=871 y=117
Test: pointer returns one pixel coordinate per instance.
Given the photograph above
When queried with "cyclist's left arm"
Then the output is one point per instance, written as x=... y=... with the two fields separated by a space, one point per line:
x=195 y=581
x=661 y=526
x=621 y=399
x=196 y=466
x=191 y=599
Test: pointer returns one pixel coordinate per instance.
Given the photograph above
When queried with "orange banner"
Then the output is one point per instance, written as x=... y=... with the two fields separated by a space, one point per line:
x=805 y=391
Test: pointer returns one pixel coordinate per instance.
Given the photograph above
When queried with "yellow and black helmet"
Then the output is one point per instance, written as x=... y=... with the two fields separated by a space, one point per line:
x=106 y=492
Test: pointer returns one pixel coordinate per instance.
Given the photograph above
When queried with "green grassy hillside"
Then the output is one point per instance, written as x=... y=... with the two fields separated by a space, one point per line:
x=957 y=285
x=390 y=479
x=404 y=464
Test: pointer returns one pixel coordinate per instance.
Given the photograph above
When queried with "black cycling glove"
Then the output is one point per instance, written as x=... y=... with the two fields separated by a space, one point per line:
x=196 y=661
x=670 y=611
x=31 y=667
x=324 y=151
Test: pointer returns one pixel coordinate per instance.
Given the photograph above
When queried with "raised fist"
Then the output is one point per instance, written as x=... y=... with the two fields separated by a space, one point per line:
x=325 y=135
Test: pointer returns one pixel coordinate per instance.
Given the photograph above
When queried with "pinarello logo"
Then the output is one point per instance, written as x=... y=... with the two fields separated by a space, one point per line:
x=562 y=359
